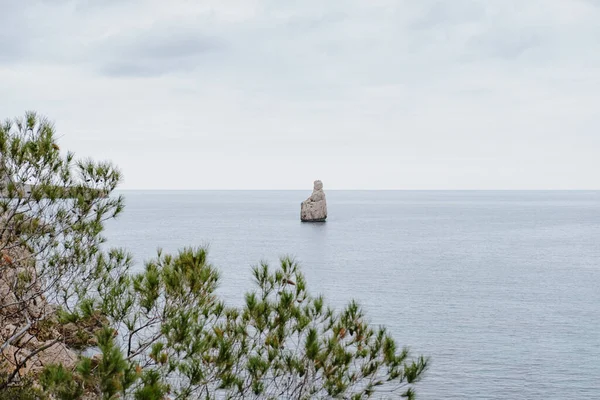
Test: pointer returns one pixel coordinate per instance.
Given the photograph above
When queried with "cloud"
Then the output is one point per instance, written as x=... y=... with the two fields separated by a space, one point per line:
x=504 y=44
x=158 y=52
x=401 y=94
x=13 y=44
x=442 y=13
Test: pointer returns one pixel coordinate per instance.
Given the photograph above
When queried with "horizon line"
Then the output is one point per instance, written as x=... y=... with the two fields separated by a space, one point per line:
x=358 y=190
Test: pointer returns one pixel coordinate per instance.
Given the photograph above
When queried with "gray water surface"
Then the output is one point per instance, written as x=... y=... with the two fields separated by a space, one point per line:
x=501 y=289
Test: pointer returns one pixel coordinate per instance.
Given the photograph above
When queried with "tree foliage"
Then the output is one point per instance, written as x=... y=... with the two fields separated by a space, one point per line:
x=163 y=332
x=52 y=210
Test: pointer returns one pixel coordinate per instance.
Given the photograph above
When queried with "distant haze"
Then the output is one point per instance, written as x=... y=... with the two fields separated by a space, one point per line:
x=378 y=94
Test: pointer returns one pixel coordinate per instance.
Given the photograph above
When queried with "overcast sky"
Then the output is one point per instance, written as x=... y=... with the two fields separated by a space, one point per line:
x=363 y=94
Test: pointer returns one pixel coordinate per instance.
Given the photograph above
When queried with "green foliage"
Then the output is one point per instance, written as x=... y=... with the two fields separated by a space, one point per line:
x=163 y=332
x=108 y=375
x=114 y=373
x=20 y=392
x=151 y=387
x=24 y=391
x=52 y=211
x=283 y=343
x=61 y=383
x=51 y=205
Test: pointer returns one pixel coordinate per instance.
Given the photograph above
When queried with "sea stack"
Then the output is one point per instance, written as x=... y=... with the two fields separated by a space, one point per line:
x=314 y=209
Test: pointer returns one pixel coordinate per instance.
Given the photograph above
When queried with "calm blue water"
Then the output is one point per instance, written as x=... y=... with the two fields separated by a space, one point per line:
x=501 y=289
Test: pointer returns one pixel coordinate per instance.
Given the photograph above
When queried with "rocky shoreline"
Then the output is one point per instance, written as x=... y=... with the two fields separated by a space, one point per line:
x=32 y=334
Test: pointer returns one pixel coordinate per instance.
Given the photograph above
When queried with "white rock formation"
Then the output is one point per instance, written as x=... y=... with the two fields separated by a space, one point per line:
x=314 y=209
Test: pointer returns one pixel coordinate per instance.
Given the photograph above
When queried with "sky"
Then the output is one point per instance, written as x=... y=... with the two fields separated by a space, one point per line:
x=362 y=94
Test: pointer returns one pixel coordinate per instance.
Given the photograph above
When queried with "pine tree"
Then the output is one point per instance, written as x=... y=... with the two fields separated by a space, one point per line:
x=52 y=211
x=164 y=332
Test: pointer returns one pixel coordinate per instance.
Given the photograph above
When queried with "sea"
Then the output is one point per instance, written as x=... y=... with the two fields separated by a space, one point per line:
x=500 y=288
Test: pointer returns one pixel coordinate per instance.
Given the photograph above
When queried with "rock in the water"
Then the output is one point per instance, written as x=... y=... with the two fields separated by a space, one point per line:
x=314 y=209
